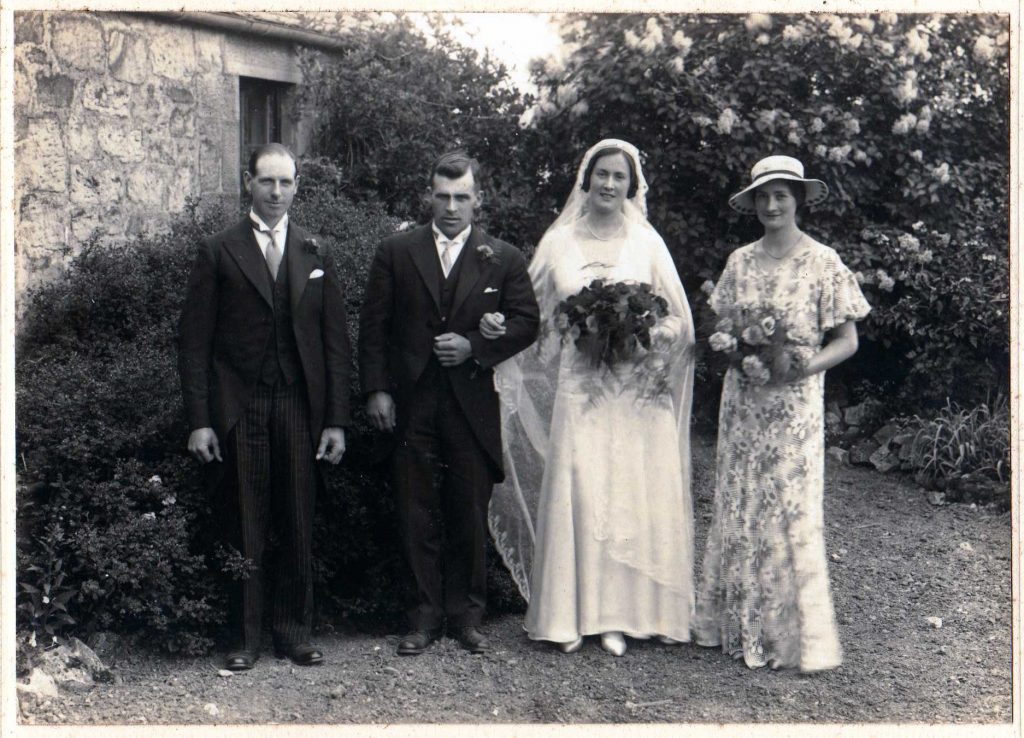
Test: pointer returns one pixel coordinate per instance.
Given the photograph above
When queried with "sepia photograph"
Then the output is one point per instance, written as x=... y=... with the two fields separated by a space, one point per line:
x=470 y=373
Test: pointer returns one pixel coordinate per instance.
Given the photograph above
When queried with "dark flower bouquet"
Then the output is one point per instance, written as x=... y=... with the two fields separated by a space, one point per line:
x=755 y=341
x=610 y=321
x=610 y=324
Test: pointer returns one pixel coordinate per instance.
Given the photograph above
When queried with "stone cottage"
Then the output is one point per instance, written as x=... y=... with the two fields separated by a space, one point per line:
x=119 y=117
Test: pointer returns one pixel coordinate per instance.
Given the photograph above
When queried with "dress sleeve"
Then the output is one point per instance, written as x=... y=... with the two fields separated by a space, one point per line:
x=723 y=297
x=841 y=299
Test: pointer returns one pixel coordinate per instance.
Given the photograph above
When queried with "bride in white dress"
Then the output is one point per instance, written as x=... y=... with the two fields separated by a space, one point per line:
x=594 y=519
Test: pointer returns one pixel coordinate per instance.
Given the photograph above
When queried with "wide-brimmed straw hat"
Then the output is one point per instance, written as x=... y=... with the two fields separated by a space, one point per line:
x=777 y=167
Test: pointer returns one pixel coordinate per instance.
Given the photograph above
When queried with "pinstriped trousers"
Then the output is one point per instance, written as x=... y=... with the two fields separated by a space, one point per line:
x=271 y=481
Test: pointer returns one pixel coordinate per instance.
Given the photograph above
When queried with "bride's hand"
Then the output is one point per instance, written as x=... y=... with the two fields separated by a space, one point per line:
x=492 y=325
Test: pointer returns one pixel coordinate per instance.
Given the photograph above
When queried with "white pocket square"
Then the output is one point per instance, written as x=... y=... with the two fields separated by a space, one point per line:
x=490 y=289
x=316 y=274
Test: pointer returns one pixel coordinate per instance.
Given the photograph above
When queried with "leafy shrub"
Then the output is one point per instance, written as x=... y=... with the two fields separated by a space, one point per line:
x=99 y=420
x=960 y=441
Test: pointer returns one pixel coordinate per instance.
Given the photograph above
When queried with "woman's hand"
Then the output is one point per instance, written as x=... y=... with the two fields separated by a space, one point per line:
x=492 y=325
x=787 y=367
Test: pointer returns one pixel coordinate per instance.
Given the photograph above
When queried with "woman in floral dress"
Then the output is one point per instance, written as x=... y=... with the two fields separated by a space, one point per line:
x=763 y=593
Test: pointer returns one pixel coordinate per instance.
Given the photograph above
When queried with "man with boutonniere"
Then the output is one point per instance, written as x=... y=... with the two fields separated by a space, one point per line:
x=264 y=359
x=428 y=378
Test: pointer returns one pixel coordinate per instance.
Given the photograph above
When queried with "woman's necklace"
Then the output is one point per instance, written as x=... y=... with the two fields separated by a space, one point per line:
x=622 y=223
x=789 y=250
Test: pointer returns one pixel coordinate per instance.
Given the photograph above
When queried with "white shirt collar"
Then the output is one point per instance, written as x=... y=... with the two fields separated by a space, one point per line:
x=458 y=241
x=261 y=227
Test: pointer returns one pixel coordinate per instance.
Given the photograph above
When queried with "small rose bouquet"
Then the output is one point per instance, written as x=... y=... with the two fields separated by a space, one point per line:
x=755 y=341
x=611 y=325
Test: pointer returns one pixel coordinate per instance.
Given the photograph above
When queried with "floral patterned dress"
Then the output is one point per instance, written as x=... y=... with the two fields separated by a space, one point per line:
x=763 y=593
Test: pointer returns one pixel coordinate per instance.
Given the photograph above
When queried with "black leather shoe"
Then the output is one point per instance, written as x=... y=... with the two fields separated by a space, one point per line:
x=240 y=660
x=302 y=654
x=472 y=639
x=417 y=641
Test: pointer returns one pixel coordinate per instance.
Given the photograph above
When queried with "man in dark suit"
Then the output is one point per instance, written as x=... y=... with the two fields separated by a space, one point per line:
x=264 y=359
x=428 y=376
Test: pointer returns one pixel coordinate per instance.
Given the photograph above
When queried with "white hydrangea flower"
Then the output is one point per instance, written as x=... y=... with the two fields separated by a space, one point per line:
x=923 y=125
x=821 y=151
x=941 y=173
x=885 y=282
x=726 y=120
x=917 y=44
x=852 y=126
x=817 y=125
x=763 y=39
x=580 y=108
x=676 y=64
x=906 y=90
x=865 y=24
x=853 y=42
x=904 y=124
x=885 y=47
x=909 y=241
x=682 y=42
x=758 y=22
x=916 y=155
x=839 y=153
x=632 y=40
x=889 y=19
x=792 y=33
x=860 y=156
x=654 y=31
x=793 y=138
x=984 y=50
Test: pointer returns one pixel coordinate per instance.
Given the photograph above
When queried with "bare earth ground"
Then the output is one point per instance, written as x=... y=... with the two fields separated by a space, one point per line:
x=895 y=561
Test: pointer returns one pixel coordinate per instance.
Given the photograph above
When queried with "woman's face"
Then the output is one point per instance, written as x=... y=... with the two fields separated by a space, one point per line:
x=609 y=183
x=776 y=206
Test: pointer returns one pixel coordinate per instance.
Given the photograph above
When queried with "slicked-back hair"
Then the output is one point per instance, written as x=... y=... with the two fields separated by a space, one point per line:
x=454 y=164
x=608 y=151
x=266 y=150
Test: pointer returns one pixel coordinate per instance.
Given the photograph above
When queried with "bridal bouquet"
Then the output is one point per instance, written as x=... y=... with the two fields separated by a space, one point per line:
x=753 y=338
x=610 y=321
x=610 y=324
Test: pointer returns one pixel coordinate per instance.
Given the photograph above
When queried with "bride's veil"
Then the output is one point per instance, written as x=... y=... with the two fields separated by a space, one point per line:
x=527 y=383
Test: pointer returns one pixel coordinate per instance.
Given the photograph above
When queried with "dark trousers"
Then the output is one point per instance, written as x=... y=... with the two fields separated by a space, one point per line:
x=270 y=480
x=442 y=486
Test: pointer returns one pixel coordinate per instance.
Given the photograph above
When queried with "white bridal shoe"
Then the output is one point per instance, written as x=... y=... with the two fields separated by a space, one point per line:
x=669 y=641
x=571 y=646
x=613 y=643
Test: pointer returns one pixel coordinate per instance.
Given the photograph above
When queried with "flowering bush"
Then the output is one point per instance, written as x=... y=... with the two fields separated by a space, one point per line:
x=906 y=117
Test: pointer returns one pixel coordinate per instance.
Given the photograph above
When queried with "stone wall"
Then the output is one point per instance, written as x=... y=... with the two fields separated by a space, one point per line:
x=119 y=117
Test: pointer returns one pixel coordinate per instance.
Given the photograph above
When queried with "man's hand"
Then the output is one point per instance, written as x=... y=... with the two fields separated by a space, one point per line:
x=381 y=409
x=492 y=325
x=332 y=445
x=202 y=443
x=452 y=349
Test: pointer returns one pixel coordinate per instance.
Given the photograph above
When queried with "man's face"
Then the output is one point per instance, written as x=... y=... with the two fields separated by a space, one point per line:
x=453 y=202
x=272 y=187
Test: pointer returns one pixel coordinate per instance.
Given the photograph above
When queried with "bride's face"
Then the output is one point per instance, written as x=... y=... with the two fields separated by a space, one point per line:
x=609 y=183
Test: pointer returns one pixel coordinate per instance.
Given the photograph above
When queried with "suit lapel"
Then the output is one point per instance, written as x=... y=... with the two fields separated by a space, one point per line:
x=471 y=270
x=246 y=252
x=300 y=264
x=423 y=252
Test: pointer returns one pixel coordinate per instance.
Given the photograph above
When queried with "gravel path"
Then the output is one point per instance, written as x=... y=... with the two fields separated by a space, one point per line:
x=895 y=561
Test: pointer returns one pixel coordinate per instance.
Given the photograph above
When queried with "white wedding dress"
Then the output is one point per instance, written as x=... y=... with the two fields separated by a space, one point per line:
x=594 y=518
x=614 y=539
